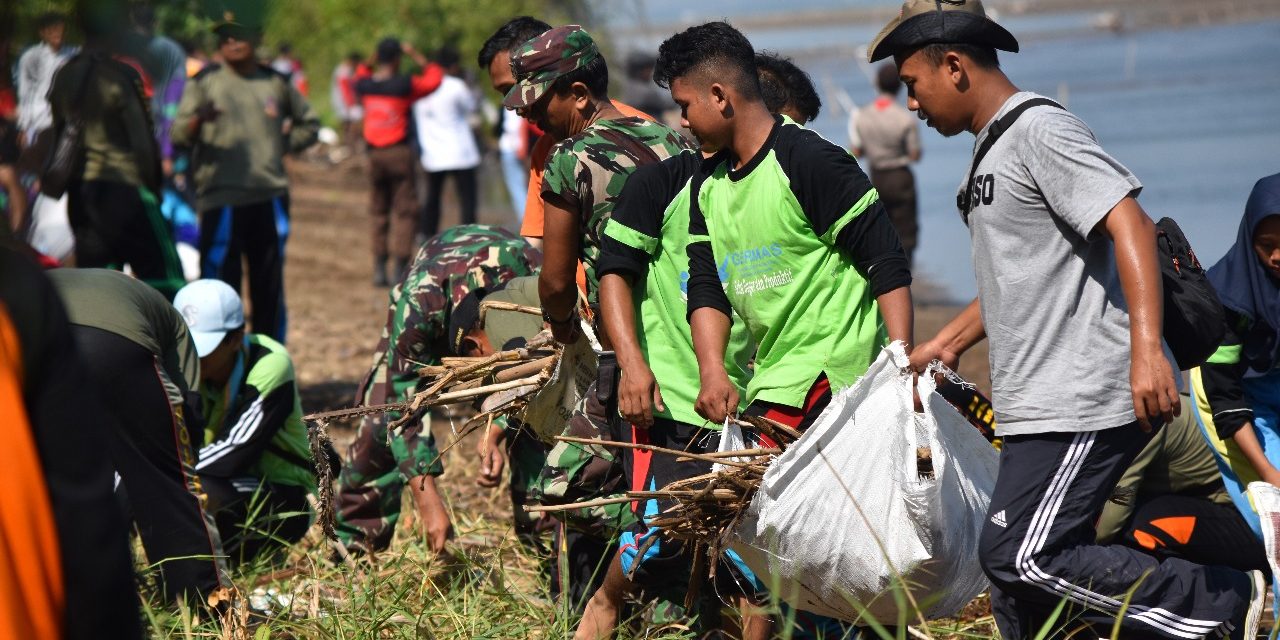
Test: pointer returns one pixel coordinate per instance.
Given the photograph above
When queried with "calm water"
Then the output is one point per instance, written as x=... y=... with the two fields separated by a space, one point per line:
x=1198 y=121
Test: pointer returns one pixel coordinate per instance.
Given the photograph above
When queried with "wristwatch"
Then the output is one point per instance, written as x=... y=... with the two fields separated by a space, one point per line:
x=546 y=317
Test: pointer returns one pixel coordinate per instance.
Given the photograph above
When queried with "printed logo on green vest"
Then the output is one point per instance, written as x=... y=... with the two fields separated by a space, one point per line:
x=755 y=269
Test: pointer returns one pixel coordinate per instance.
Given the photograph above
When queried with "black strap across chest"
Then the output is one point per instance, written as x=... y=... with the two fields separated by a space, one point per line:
x=964 y=200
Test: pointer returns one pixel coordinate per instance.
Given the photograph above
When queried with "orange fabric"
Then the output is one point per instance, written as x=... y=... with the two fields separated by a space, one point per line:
x=1179 y=528
x=31 y=590
x=534 y=214
x=1147 y=540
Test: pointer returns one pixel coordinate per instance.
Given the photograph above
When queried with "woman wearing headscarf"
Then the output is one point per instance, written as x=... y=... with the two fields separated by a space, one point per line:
x=1237 y=391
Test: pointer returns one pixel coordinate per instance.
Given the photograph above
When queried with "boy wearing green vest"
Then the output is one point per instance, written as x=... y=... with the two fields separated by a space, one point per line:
x=787 y=233
x=256 y=465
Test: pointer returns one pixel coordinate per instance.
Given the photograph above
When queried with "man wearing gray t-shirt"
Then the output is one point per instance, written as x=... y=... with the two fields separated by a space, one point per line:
x=1069 y=294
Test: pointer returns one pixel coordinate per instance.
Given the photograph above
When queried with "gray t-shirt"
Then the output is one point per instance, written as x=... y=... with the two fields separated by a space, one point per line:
x=1050 y=291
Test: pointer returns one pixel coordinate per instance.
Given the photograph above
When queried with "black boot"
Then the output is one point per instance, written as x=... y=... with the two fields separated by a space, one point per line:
x=402 y=268
x=380 y=271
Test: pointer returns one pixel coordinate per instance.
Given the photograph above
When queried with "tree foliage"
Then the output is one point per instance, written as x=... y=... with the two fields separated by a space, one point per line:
x=323 y=32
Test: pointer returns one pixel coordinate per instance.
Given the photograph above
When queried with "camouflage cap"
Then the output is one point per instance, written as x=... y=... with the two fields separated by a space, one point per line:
x=922 y=22
x=539 y=62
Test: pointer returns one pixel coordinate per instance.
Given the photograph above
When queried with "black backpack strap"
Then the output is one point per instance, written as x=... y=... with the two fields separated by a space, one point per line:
x=964 y=200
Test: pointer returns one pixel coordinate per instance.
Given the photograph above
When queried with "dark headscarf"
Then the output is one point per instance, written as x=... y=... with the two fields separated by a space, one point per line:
x=1242 y=282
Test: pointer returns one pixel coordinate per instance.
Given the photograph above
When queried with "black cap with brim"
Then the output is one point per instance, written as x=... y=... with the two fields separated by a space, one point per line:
x=940 y=27
x=236 y=30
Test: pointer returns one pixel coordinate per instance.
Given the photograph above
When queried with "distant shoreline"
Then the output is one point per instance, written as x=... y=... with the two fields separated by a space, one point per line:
x=1110 y=16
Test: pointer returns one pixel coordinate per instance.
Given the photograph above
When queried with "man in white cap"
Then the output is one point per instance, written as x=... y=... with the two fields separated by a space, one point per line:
x=1068 y=281
x=142 y=366
x=256 y=463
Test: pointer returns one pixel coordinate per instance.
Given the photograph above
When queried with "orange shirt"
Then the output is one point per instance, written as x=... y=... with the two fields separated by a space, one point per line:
x=533 y=211
x=31 y=589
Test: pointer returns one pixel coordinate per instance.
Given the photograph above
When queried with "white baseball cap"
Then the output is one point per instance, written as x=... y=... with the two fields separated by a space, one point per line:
x=212 y=309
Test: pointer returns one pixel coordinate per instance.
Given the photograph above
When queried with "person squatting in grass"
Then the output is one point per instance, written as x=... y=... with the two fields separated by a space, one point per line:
x=1068 y=281
x=141 y=359
x=256 y=464
x=642 y=297
x=562 y=85
x=445 y=270
x=1237 y=392
x=1171 y=502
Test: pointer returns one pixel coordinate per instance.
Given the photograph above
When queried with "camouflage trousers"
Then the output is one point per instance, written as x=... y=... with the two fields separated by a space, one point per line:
x=377 y=465
x=380 y=463
x=577 y=472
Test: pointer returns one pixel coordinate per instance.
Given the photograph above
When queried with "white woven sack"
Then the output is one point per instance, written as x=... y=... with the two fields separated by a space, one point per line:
x=843 y=512
x=550 y=408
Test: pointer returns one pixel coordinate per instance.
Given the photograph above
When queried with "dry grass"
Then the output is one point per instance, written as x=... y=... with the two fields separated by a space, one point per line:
x=488 y=585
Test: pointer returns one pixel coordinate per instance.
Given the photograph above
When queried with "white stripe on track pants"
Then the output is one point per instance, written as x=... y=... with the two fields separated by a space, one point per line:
x=1038 y=547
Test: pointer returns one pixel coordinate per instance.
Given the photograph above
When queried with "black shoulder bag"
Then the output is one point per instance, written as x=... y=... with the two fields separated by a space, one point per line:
x=1194 y=322
x=66 y=158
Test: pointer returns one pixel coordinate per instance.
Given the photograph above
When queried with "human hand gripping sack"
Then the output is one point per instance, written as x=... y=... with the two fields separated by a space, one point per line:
x=718 y=397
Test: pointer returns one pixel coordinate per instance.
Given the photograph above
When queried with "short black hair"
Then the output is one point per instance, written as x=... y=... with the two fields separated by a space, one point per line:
x=887 y=79
x=514 y=33
x=594 y=74
x=983 y=56
x=49 y=19
x=782 y=83
x=144 y=16
x=715 y=44
x=447 y=56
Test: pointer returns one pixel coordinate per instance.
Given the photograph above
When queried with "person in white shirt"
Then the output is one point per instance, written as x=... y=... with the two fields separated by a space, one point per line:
x=35 y=73
x=448 y=145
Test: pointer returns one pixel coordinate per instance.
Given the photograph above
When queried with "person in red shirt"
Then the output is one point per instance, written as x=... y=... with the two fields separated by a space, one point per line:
x=387 y=96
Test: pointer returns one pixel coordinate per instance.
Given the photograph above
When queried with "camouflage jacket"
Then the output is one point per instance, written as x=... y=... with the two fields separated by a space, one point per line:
x=446 y=268
x=585 y=174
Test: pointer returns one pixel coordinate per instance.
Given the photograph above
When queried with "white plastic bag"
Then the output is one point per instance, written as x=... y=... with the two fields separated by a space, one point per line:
x=843 y=516
x=50 y=231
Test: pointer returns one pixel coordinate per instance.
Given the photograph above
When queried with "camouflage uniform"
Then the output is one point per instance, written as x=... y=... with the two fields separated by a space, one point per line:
x=446 y=268
x=585 y=174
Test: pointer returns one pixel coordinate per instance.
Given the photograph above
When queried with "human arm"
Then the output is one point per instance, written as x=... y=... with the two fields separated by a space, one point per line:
x=709 y=324
x=1222 y=376
x=1155 y=392
x=304 y=129
x=638 y=391
x=563 y=205
x=557 y=286
x=964 y=331
x=429 y=78
x=17 y=197
x=194 y=109
x=27 y=98
x=629 y=243
x=263 y=408
x=435 y=516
